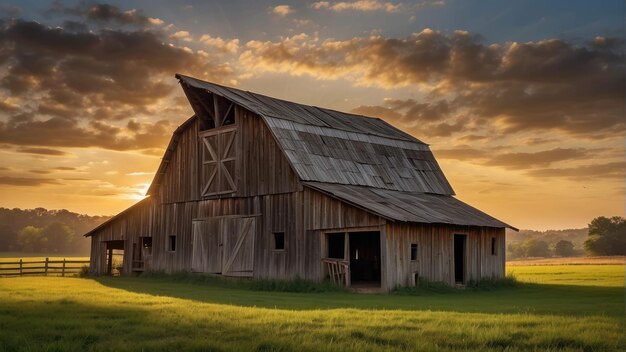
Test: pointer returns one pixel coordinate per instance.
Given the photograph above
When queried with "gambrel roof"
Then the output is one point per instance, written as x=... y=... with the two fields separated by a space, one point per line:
x=360 y=160
x=324 y=145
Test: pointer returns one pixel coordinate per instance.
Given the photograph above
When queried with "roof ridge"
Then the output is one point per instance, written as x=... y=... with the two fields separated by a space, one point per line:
x=321 y=108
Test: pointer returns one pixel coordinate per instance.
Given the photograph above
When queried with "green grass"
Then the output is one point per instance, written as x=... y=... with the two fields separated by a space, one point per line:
x=590 y=275
x=545 y=312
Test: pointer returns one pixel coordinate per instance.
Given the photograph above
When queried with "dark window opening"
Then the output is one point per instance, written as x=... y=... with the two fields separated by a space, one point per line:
x=229 y=119
x=203 y=106
x=336 y=245
x=146 y=242
x=493 y=246
x=279 y=241
x=171 y=243
x=459 y=258
x=413 y=251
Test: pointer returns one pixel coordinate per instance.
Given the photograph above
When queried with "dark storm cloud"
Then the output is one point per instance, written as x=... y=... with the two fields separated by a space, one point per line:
x=61 y=132
x=526 y=160
x=104 y=13
x=75 y=82
x=577 y=88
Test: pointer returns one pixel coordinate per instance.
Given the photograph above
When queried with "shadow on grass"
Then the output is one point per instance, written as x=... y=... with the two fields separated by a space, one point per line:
x=544 y=299
x=66 y=324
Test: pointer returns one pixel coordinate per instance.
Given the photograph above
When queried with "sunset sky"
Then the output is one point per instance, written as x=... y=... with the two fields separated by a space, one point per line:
x=522 y=102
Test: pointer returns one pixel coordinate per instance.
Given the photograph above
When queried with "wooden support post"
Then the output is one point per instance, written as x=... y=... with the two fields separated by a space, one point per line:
x=110 y=261
x=63 y=270
x=47 y=259
x=21 y=272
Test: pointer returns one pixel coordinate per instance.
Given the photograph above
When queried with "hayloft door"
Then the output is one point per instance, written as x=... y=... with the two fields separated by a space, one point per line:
x=218 y=161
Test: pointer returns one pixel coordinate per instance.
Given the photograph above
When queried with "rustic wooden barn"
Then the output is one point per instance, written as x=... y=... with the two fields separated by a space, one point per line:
x=253 y=186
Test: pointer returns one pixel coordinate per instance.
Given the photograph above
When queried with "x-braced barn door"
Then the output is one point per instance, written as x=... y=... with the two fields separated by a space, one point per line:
x=224 y=245
x=219 y=151
x=207 y=247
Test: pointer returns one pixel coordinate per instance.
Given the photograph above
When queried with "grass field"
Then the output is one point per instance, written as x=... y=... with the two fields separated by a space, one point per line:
x=557 y=308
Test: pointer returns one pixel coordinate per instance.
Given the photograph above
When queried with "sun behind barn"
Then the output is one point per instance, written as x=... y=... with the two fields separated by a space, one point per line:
x=253 y=186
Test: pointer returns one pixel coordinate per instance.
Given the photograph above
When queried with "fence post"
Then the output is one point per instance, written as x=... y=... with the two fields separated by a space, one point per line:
x=21 y=267
x=47 y=266
x=63 y=270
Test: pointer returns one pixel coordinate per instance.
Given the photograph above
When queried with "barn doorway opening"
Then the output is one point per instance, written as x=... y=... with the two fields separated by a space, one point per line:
x=459 y=259
x=365 y=259
x=115 y=258
x=142 y=254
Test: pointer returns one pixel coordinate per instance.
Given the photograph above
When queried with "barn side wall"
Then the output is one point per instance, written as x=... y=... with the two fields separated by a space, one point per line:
x=435 y=259
x=268 y=188
x=138 y=221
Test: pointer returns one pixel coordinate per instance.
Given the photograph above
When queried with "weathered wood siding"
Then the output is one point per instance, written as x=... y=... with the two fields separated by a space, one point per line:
x=435 y=259
x=323 y=214
x=268 y=190
x=134 y=223
x=262 y=166
x=180 y=180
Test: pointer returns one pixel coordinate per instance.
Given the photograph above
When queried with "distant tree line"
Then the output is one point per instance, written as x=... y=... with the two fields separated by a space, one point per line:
x=604 y=236
x=45 y=231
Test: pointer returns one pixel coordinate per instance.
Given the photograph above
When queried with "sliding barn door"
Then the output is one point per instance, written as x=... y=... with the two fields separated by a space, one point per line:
x=219 y=151
x=224 y=245
x=207 y=247
x=238 y=235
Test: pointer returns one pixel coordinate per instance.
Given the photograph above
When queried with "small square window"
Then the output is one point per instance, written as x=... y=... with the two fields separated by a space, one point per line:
x=413 y=251
x=493 y=246
x=279 y=241
x=171 y=243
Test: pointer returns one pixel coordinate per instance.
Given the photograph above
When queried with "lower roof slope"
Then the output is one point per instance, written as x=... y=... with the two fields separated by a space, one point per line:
x=409 y=206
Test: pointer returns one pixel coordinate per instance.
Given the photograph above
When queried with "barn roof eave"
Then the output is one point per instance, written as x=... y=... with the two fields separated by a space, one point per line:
x=115 y=217
x=409 y=207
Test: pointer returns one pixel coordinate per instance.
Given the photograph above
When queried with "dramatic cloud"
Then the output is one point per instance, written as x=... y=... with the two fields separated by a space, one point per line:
x=219 y=44
x=80 y=87
x=551 y=84
x=514 y=160
x=105 y=13
x=182 y=35
x=613 y=170
x=282 y=10
x=61 y=132
x=26 y=181
x=41 y=151
x=361 y=5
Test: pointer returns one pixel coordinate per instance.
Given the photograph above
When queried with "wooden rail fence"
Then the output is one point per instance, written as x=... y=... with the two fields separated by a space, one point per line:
x=42 y=267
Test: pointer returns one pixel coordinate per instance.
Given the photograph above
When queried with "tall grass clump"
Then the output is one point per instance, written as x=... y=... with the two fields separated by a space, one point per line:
x=494 y=283
x=297 y=284
x=423 y=286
